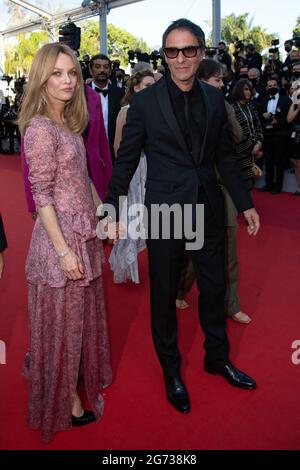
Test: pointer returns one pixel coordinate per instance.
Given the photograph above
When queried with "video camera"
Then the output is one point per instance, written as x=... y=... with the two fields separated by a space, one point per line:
x=274 y=49
x=239 y=47
x=211 y=52
x=140 y=56
x=7 y=78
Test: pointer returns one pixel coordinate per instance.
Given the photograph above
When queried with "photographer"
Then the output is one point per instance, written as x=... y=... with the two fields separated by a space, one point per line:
x=85 y=67
x=239 y=56
x=275 y=108
x=253 y=58
x=288 y=46
x=223 y=55
x=294 y=118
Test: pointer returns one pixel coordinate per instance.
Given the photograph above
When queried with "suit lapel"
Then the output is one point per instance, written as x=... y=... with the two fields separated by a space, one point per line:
x=110 y=96
x=168 y=113
x=206 y=118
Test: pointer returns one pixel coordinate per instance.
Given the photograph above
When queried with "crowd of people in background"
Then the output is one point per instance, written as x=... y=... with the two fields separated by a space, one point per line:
x=74 y=135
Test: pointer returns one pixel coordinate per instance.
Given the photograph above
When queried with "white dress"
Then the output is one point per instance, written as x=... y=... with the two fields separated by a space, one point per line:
x=124 y=255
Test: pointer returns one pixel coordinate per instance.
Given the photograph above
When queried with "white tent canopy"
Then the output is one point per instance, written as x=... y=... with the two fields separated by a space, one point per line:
x=18 y=16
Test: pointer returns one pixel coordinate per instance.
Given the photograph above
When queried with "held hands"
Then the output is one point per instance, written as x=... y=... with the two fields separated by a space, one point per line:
x=252 y=219
x=72 y=266
x=110 y=230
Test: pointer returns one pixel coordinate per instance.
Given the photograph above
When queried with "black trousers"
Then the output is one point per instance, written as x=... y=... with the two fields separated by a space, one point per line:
x=274 y=152
x=165 y=262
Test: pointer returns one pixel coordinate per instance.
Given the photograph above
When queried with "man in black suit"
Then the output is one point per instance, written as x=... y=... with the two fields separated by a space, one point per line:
x=274 y=111
x=181 y=124
x=3 y=246
x=111 y=95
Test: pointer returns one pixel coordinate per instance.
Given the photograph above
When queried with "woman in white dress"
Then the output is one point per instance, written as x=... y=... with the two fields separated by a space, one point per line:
x=124 y=256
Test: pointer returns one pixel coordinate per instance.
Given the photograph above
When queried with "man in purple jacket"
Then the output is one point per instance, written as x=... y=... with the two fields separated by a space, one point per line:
x=97 y=150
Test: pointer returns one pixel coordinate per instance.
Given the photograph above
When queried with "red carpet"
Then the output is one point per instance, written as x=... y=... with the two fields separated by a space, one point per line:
x=137 y=415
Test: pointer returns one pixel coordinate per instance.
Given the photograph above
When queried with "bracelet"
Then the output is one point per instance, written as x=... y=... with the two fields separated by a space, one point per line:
x=62 y=254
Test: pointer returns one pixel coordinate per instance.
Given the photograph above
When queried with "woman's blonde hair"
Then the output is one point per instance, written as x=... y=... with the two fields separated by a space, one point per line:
x=35 y=100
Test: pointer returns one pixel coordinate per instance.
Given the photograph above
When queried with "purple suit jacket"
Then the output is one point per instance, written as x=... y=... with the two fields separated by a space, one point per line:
x=97 y=150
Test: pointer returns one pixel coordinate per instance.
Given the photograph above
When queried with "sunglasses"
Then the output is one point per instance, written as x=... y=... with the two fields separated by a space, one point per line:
x=189 y=51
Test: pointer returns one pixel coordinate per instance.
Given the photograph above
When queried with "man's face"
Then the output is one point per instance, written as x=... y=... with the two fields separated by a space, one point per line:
x=253 y=75
x=296 y=70
x=183 y=69
x=272 y=86
x=100 y=70
x=244 y=72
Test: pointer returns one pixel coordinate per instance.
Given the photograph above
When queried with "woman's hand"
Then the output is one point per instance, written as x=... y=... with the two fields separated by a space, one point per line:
x=72 y=266
x=256 y=149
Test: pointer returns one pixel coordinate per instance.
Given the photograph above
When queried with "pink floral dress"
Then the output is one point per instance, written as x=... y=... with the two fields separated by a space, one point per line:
x=69 y=347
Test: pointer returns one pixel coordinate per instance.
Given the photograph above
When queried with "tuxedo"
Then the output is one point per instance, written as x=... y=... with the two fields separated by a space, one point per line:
x=275 y=139
x=3 y=242
x=179 y=172
x=114 y=96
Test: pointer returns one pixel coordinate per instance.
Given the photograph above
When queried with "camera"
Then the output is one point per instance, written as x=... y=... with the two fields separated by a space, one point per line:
x=296 y=40
x=7 y=78
x=239 y=47
x=211 y=51
x=139 y=56
x=275 y=42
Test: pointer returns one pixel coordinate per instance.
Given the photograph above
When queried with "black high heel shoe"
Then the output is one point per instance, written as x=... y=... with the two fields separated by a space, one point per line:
x=87 y=418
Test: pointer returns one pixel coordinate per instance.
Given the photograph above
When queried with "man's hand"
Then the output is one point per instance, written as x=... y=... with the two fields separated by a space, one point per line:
x=1 y=264
x=110 y=230
x=253 y=222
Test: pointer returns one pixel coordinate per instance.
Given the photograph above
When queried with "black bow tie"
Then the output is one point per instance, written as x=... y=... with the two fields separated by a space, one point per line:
x=271 y=98
x=99 y=90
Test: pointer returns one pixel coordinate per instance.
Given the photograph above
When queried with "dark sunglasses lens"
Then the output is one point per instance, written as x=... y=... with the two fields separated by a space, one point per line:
x=190 y=51
x=171 y=52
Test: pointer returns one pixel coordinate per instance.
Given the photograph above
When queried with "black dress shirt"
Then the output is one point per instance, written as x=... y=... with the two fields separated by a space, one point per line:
x=188 y=108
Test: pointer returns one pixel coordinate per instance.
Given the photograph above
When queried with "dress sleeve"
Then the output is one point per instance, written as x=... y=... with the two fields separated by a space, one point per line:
x=40 y=143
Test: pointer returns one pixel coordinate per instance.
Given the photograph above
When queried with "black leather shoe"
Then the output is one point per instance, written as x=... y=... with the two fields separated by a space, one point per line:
x=233 y=375
x=177 y=393
x=87 y=418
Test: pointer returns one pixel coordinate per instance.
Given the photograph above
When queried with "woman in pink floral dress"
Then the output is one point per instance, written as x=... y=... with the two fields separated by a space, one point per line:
x=69 y=348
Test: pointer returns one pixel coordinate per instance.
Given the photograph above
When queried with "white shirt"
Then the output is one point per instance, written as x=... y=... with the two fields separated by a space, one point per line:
x=272 y=104
x=104 y=102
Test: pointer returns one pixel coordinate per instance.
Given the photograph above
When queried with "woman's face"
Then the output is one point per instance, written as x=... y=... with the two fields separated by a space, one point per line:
x=216 y=81
x=61 y=85
x=247 y=93
x=146 y=81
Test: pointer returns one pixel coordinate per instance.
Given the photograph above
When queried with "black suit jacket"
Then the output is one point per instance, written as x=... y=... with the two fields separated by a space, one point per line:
x=173 y=175
x=283 y=106
x=3 y=242
x=115 y=95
